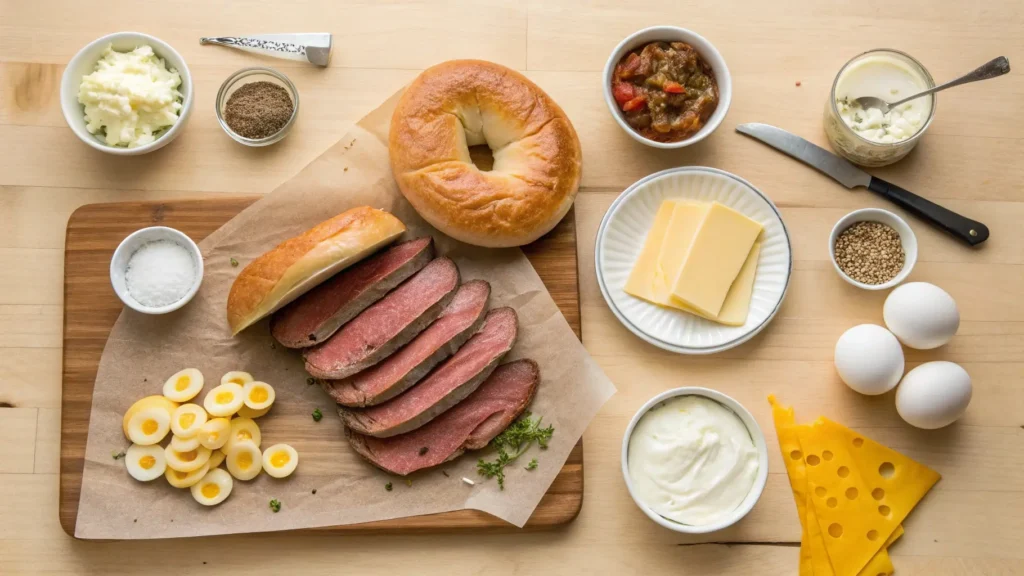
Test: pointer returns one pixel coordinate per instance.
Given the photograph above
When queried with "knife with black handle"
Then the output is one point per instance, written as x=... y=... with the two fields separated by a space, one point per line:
x=969 y=231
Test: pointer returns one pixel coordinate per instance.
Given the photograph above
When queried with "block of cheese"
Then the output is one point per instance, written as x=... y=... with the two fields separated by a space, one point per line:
x=664 y=250
x=716 y=255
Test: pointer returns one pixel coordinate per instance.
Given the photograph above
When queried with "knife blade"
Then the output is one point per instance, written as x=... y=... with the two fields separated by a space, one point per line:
x=970 y=231
x=314 y=48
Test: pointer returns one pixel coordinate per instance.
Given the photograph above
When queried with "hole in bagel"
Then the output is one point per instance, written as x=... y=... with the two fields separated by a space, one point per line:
x=482 y=157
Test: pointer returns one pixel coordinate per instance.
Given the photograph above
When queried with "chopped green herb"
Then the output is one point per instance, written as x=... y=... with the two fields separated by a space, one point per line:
x=408 y=482
x=445 y=474
x=310 y=381
x=388 y=486
x=275 y=505
x=511 y=444
x=532 y=465
x=234 y=263
x=117 y=455
x=317 y=415
x=424 y=450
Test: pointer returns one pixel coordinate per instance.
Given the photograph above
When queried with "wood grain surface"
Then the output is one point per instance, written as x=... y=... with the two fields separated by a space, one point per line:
x=783 y=57
x=91 y=308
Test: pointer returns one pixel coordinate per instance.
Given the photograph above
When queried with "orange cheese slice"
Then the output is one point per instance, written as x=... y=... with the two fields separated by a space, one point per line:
x=814 y=559
x=861 y=491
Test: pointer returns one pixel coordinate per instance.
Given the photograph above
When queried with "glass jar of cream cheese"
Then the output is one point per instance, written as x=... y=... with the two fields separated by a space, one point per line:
x=868 y=137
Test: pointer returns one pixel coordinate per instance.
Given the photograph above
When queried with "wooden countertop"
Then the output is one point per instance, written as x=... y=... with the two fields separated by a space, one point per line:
x=783 y=58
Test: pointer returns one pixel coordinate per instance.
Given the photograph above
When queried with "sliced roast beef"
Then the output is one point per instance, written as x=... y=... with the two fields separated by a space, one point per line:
x=468 y=426
x=387 y=325
x=453 y=380
x=395 y=374
x=318 y=314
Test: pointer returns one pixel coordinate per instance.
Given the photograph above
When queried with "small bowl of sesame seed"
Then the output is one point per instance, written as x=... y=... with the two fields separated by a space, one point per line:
x=873 y=249
x=257 y=106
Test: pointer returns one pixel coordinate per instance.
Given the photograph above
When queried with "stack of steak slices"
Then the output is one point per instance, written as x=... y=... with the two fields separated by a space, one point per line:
x=412 y=357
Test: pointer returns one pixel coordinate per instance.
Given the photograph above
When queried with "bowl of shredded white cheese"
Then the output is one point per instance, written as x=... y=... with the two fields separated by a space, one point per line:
x=156 y=270
x=126 y=93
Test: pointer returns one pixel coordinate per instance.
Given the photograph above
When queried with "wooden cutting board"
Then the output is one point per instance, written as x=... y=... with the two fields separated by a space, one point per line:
x=91 y=308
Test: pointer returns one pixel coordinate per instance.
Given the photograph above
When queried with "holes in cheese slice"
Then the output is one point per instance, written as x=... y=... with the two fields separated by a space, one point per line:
x=858 y=442
x=796 y=455
x=843 y=472
x=878 y=493
x=813 y=460
x=831 y=502
x=852 y=493
x=827 y=455
x=835 y=530
x=885 y=510
x=887 y=470
x=872 y=535
x=820 y=491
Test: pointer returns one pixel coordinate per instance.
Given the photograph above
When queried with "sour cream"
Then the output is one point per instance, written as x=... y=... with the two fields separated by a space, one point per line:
x=692 y=460
x=890 y=79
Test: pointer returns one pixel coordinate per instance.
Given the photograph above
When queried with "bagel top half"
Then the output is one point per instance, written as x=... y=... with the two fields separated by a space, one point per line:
x=537 y=157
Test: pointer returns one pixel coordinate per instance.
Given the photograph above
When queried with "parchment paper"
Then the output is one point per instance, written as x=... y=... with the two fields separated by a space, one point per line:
x=142 y=351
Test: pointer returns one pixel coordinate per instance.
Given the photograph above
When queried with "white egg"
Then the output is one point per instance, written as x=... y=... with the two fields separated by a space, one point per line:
x=149 y=426
x=216 y=458
x=187 y=461
x=242 y=430
x=236 y=377
x=933 y=395
x=224 y=400
x=184 y=385
x=185 y=479
x=179 y=444
x=921 y=315
x=869 y=359
x=145 y=463
x=187 y=420
x=259 y=395
x=214 y=488
x=280 y=460
x=244 y=460
x=215 y=433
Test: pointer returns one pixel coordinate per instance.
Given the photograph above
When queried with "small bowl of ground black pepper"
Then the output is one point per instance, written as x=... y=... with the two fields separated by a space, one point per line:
x=257 y=106
x=873 y=249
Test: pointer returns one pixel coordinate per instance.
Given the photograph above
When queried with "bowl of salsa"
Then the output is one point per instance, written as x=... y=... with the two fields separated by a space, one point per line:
x=667 y=87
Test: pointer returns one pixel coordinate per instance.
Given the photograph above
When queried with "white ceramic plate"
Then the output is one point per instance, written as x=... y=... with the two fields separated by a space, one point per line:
x=621 y=237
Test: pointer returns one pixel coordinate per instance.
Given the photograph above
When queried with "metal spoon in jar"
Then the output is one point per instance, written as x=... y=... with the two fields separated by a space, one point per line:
x=996 y=67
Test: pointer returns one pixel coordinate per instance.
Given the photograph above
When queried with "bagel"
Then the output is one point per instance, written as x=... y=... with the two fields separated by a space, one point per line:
x=537 y=157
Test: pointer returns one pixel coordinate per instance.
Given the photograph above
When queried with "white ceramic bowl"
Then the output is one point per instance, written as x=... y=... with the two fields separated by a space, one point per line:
x=671 y=34
x=755 y=434
x=84 y=63
x=621 y=236
x=907 y=238
x=134 y=241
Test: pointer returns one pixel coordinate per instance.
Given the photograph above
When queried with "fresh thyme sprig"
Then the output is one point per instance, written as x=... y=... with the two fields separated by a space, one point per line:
x=511 y=444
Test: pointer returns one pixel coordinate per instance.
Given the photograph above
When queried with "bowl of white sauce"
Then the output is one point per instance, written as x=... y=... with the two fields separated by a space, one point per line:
x=156 y=270
x=694 y=460
x=126 y=93
x=866 y=136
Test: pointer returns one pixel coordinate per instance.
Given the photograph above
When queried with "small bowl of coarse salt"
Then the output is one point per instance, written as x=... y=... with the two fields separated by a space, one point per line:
x=872 y=248
x=156 y=270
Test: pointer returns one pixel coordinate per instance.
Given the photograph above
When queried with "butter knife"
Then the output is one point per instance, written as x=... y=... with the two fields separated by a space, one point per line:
x=842 y=171
x=314 y=48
